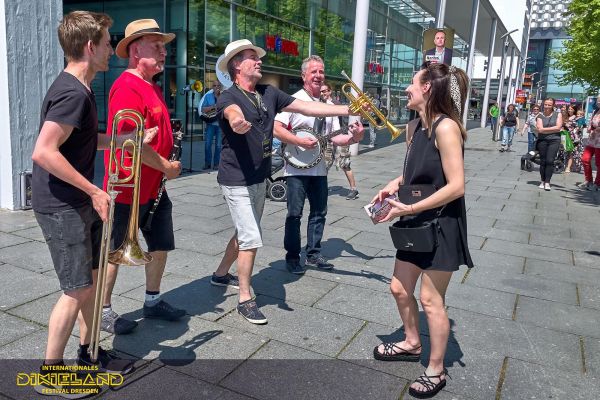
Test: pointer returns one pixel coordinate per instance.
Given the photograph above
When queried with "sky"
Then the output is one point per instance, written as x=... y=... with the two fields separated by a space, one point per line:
x=512 y=14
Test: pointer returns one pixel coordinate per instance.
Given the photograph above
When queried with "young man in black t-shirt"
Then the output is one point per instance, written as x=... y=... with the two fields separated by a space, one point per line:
x=246 y=113
x=67 y=205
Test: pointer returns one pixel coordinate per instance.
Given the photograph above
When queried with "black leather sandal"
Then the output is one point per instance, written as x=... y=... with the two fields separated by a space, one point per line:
x=431 y=389
x=390 y=353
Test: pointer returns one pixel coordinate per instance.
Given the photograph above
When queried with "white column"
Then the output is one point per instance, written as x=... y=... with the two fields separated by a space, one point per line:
x=510 y=77
x=359 y=52
x=440 y=13
x=474 y=16
x=6 y=173
x=496 y=136
x=488 y=75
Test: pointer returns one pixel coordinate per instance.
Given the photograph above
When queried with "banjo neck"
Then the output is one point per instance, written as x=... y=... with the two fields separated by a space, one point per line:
x=335 y=133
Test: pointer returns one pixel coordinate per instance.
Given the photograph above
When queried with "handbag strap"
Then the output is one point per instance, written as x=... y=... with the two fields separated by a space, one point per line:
x=412 y=138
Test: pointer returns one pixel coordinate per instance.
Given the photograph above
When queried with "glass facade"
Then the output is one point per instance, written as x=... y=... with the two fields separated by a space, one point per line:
x=547 y=77
x=289 y=30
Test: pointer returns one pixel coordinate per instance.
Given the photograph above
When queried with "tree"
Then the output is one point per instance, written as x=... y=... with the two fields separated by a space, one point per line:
x=579 y=58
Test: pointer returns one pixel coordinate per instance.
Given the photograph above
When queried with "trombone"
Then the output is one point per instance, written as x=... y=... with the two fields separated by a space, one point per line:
x=372 y=113
x=130 y=251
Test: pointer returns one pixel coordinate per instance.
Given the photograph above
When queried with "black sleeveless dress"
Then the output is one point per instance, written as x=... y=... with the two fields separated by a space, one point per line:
x=424 y=166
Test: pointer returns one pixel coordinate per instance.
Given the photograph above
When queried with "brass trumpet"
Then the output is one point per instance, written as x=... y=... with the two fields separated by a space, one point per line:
x=130 y=251
x=358 y=103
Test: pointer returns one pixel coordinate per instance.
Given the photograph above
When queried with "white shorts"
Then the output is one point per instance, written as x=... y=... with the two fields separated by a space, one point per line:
x=246 y=204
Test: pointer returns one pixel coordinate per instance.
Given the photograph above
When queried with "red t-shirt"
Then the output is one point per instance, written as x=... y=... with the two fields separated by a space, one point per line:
x=131 y=91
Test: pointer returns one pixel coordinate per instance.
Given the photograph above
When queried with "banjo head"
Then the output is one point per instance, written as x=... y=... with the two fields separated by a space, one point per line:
x=303 y=158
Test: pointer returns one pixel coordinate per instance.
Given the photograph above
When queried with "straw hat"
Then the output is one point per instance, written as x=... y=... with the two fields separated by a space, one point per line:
x=234 y=48
x=136 y=30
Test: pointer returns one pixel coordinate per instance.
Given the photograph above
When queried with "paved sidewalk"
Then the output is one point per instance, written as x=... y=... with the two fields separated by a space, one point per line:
x=525 y=321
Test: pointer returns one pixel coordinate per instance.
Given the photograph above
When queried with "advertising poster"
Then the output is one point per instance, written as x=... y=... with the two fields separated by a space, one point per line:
x=437 y=45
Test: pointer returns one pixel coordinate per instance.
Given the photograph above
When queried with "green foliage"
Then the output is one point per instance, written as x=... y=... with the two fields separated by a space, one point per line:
x=580 y=57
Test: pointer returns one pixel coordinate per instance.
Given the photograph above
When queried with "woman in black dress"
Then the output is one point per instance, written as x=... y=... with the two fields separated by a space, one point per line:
x=434 y=156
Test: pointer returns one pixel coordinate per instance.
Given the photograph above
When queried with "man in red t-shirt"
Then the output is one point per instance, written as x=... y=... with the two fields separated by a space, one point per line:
x=144 y=46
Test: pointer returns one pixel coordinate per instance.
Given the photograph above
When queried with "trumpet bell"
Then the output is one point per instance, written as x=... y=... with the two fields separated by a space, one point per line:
x=130 y=253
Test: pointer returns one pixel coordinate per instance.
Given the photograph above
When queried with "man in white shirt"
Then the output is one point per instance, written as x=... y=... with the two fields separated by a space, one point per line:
x=309 y=183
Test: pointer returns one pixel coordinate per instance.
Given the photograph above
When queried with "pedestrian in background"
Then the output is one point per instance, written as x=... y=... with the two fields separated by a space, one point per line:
x=549 y=124
x=530 y=126
x=510 y=123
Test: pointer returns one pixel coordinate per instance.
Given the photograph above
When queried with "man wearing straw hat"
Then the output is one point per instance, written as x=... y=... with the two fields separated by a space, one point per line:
x=144 y=46
x=246 y=113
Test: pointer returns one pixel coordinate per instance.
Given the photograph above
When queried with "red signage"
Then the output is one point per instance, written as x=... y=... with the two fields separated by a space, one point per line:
x=283 y=46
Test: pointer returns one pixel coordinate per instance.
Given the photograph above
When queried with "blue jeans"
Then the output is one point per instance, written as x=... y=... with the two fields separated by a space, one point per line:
x=299 y=188
x=493 y=122
x=212 y=133
x=531 y=138
x=507 y=135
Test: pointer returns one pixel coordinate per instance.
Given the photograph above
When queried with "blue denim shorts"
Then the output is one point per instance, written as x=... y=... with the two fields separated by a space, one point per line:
x=73 y=237
x=159 y=238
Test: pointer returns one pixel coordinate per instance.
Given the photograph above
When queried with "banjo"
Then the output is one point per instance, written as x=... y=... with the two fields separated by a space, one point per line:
x=303 y=158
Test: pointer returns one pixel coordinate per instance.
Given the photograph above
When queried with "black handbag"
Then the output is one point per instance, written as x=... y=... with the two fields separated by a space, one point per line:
x=416 y=233
x=208 y=120
x=421 y=237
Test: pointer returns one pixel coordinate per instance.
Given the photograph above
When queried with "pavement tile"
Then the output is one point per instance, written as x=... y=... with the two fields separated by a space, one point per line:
x=489 y=302
x=590 y=296
x=14 y=328
x=151 y=379
x=590 y=258
x=592 y=355
x=8 y=240
x=180 y=344
x=33 y=347
x=563 y=272
x=33 y=233
x=33 y=256
x=200 y=242
x=558 y=316
x=200 y=224
x=11 y=221
x=562 y=242
x=510 y=216
x=262 y=377
x=197 y=297
x=199 y=199
x=320 y=331
x=286 y=286
x=361 y=275
x=465 y=364
x=363 y=304
x=505 y=337
x=24 y=286
x=527 y=285
x=383 y=241
x=486 y=259
x=527 y=250
x=524 y=380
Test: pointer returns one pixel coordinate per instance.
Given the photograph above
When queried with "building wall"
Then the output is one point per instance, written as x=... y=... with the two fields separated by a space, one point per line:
x=30 y=59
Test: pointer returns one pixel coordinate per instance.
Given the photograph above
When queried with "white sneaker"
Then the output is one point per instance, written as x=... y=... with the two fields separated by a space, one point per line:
x=547 y=186
x=585 y=185
x=541 y=185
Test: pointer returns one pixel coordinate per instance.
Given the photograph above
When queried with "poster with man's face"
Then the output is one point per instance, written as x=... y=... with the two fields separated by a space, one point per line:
x=437 y=45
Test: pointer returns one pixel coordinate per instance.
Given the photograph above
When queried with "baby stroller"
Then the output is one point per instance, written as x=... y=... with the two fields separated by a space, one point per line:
x=276 y=186
x=533 y=157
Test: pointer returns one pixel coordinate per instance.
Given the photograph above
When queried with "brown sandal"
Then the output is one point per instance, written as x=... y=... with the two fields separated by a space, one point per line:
x=431 y=389
x=390 y=354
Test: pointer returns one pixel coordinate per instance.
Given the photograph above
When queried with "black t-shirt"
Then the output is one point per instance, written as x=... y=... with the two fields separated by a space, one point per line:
x=242 y=162
x=510 y=118
x=67 y=102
